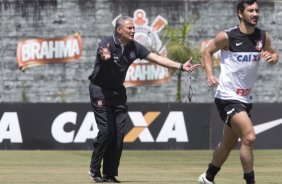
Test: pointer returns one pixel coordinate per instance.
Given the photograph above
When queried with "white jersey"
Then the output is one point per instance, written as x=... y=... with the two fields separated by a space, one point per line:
x=239 y=65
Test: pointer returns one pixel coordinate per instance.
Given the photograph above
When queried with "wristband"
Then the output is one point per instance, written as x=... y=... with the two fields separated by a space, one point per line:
x=180 y=67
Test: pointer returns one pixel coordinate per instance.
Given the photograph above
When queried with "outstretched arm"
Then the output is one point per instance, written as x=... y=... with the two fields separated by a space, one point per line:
x=163 y=61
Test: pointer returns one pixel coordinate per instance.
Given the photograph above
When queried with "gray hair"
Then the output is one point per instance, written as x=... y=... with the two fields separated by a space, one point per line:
x=120 y=21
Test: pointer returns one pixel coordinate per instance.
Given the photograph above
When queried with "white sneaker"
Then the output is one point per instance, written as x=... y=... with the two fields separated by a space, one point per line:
x=203 y=180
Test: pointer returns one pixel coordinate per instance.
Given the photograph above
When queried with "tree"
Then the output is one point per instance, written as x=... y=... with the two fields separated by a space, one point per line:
x=179 y=49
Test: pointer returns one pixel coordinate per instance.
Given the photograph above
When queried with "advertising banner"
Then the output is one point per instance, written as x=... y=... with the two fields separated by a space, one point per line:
x=168 y=126
x=162 y=126
x=73 y=126
x=267 y=120
x=38 y=51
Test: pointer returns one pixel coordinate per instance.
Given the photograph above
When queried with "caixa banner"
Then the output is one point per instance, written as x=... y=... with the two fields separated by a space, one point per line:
x=149 y=126
x=73 y=126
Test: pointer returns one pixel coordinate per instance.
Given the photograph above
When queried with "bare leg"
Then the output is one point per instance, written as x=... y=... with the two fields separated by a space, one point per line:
x=224 y=148
x=221 y=153
x=242 y=125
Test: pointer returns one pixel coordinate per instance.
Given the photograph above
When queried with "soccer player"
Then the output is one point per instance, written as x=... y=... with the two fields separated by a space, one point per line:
x=241 y=49
x=108 y=94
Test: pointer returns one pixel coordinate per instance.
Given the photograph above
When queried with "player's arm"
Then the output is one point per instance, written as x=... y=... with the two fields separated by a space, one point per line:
x=269 y=54
x=219 y=42
x=163 y=61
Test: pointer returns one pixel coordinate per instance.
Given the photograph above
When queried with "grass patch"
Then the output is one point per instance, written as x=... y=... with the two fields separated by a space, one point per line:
x=138 y=167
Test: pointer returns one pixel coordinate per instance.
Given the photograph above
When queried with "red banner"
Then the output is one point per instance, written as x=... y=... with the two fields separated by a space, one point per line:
x=34 y=52
x=143 y=73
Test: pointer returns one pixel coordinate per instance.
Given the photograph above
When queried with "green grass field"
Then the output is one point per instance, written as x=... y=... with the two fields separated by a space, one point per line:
x=137 y=167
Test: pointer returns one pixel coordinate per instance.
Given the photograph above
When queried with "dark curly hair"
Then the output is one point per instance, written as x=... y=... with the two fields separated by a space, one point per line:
x=240 y=5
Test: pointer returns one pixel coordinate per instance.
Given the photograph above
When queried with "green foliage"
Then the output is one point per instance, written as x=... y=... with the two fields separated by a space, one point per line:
x=179 y=49
x=177 y=44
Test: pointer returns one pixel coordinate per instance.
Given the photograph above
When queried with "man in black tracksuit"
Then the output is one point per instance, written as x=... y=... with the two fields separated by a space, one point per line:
x=108 y=95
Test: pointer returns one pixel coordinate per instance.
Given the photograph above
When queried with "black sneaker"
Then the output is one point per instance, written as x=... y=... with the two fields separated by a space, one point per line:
x=111 y=179
x=97 y=177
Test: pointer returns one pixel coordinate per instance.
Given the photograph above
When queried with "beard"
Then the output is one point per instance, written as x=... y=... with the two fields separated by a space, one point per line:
x=250 y=23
